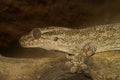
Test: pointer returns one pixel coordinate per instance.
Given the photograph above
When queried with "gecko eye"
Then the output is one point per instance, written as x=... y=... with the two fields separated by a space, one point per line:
x=55 y=39
x=36 y=33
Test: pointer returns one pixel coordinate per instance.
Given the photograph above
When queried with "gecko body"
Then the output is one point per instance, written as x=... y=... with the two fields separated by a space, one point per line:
x=75 y=41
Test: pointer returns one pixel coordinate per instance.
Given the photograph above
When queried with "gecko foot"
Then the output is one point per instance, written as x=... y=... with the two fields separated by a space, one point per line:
x=87 y=49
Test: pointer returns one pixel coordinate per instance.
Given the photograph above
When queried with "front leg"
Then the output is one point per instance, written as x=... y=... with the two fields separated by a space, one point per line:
x=87 y=49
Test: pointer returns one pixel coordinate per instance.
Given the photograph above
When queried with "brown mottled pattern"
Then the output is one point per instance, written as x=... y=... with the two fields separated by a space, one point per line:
x=105 y=37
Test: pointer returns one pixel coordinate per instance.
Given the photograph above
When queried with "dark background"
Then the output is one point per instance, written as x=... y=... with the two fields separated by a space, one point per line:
x=17 y=17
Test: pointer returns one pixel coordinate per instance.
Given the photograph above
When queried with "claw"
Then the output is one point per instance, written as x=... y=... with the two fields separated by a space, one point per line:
x=69 y=64
x=73 y=69
x=83 y=66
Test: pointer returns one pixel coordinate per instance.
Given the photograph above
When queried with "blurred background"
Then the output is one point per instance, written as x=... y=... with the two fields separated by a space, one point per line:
x=18 y=17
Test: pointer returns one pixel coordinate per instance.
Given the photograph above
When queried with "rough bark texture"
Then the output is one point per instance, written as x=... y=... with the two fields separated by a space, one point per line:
x=105 y=66
x=102 y=66
x=45 y=68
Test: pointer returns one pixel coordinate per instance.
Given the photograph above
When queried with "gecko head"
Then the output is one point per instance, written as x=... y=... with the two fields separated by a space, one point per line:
x=46 y=38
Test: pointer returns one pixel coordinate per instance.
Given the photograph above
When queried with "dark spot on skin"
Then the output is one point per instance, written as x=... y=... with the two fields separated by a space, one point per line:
x=71 y=54
x=55 y=38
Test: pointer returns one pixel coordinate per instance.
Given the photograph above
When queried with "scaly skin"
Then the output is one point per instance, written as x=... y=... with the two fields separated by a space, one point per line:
x=80 y=43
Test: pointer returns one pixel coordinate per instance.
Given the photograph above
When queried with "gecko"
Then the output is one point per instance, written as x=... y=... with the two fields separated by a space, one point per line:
x=78 y=44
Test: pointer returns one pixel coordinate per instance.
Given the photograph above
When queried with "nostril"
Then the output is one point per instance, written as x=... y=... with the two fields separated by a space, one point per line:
x=36 y=33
